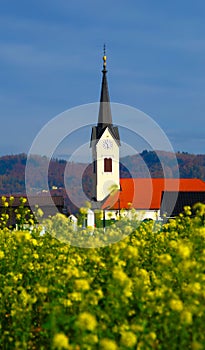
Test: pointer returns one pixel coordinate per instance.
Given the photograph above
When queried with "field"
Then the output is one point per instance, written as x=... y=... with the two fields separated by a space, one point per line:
x=146 y=291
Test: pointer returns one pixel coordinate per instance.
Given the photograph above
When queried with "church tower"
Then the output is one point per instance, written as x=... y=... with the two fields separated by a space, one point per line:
x=105 y=143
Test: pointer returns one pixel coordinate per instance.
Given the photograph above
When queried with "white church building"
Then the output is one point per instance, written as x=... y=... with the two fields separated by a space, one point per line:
x=143 y=195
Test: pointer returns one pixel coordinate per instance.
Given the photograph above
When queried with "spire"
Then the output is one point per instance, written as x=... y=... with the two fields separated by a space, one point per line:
x=105 y=116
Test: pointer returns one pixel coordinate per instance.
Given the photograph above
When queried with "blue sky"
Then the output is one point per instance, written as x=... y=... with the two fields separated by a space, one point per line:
x=51 y=60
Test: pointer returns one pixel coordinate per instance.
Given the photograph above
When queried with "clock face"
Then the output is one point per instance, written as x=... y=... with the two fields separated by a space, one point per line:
x=107 y=144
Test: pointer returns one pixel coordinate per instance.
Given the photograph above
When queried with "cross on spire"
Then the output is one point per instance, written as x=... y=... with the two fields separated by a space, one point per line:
x=104 y=49
x=104 y=58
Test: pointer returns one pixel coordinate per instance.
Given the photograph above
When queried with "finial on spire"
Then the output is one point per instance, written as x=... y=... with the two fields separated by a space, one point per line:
x=104 y=57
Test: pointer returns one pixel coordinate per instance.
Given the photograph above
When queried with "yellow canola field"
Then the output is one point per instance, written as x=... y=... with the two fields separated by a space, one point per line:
x=146 y=291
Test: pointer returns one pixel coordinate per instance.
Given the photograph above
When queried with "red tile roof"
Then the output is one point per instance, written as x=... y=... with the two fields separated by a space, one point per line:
x=146 y=193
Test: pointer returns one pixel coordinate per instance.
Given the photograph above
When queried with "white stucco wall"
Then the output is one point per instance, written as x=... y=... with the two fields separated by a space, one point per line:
x=104 y=180
x=133 y=214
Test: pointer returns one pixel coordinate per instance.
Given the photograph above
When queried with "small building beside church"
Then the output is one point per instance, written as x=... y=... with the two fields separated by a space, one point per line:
x=48 y=205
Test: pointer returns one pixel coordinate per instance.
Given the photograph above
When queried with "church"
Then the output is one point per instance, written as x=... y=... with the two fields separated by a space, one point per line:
x=150 y=198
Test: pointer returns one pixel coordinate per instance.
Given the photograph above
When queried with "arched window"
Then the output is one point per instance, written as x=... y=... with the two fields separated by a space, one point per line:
x=107 y=165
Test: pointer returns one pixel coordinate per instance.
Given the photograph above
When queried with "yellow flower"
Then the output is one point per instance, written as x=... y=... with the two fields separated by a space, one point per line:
x=25 y=297
x=30 y=266
x=82 y=284
x=13 y=312
x=3 y=198
x=42 y=289
x=108 y=344
x=34 y=242
x=5 y=216
x=31 y=222
x=165 y=259
x=36 y=256
x=83 y=210
x=24 y=235
x=99 y=293
x=90 y=339
x=137 y=328
x=60 y=341
x=187 y=210
x=23 y=200
x=184 y=251
x=199 y=209
x=39 y=213
x=2 y=254
x=128 y=339
x=86 y=321
x=186 y=317
x=75 y=296
x=18 y=216
x=130 y=252
x=186 y=265
x=173 y=244
x=176 y=305
x=201 y=232
x=196 y=287
x=196 y=346
x=17 y=277
x=67 y=302
x=120 y=276
x=152 y=335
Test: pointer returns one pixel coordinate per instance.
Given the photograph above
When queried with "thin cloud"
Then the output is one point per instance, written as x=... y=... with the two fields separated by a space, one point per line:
x=29 y=55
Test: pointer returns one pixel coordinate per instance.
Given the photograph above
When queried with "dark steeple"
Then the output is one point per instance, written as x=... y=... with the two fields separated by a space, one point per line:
x=105 y=115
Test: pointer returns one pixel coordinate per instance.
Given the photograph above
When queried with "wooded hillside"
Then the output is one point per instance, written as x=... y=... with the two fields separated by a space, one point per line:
x=147 y=163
